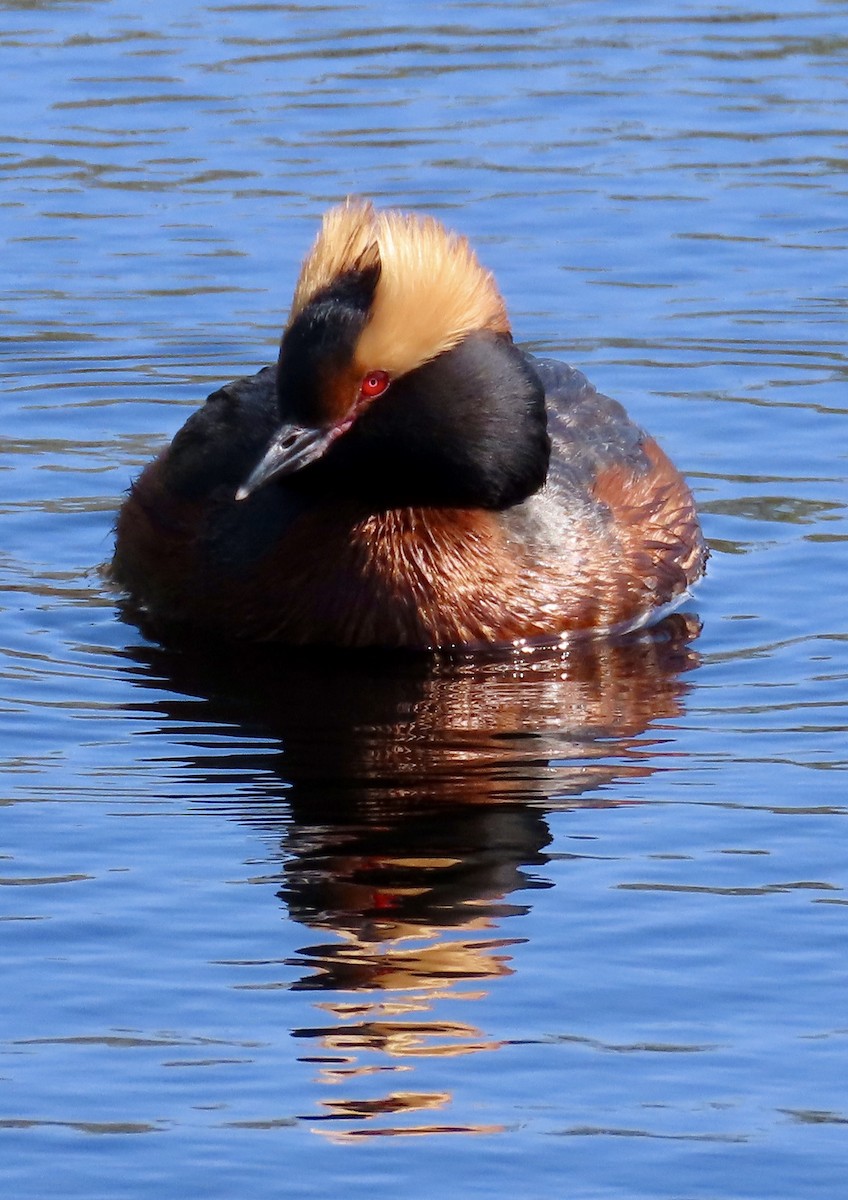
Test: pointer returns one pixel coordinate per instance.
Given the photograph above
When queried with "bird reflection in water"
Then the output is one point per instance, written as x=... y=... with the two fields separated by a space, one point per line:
x=410 y=797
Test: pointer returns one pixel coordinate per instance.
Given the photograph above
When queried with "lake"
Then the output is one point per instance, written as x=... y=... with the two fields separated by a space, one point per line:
x=560 y=924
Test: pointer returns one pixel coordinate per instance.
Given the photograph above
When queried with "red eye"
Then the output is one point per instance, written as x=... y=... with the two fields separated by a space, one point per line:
x=374 y=384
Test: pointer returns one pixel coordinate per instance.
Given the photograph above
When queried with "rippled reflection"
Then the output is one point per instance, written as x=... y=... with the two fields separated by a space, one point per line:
x=410 y=799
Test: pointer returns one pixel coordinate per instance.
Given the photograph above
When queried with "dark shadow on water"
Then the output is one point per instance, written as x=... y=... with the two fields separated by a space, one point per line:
x=410 y=797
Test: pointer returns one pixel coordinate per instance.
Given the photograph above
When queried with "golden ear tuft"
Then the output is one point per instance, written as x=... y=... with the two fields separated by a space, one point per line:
x=432 y=291
x=347 y=241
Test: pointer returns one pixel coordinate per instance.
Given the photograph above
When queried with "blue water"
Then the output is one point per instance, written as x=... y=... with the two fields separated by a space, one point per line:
x=277 y=925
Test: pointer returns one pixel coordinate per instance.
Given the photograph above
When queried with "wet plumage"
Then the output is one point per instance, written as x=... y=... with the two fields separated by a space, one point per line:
x=405 y=475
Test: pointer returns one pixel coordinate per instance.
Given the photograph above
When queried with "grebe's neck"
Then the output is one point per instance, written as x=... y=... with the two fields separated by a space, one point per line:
x=466 y=430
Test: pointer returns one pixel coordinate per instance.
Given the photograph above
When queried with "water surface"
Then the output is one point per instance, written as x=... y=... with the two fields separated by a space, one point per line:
x=558 y=925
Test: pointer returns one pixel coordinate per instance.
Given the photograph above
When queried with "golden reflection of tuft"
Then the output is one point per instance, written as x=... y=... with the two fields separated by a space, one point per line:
x=355 y=1135
x=406 y=1039
x=396 y=1008
x=338 y=1075
x=393 y=1103
x=388 y=966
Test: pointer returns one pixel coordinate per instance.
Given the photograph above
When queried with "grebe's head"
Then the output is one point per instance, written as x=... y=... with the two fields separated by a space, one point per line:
x=397 y=380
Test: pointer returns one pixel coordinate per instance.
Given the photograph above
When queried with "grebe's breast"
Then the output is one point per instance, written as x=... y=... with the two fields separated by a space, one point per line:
x=611 y=537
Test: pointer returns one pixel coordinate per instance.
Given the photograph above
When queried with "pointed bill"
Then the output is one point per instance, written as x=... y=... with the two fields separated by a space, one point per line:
x=292 y=447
